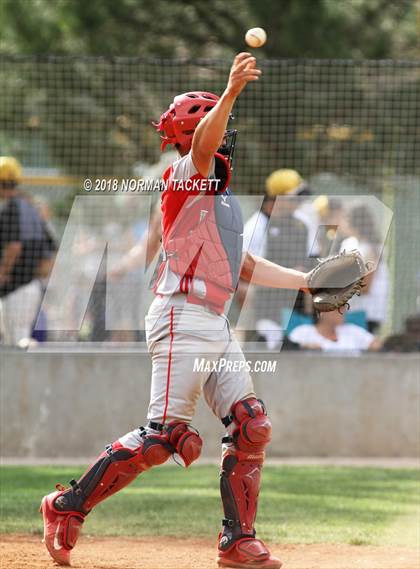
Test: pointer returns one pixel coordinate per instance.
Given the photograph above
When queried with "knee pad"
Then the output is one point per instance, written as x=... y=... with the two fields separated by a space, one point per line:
x=155 y=450
x=177 y=439
x=185 y=441
x=252 y=431
x=118 y=465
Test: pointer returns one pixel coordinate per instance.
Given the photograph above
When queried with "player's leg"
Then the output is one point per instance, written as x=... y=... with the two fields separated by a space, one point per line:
x=242 y=461
x=231 y=397
x=175 y=390
x=190 y=333
x=19 y=311
x=64 y=511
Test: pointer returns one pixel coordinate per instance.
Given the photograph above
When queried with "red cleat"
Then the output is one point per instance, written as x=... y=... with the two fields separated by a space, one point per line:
x=248 y=553
x=61 y=530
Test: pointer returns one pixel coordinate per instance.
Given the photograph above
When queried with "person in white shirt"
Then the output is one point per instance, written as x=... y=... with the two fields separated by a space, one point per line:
x=283 y=182
x=332 y=334
x=364 y=237
x=280 y=234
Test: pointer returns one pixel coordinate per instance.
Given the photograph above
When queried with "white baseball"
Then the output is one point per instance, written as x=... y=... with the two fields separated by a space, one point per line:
x=255 y=37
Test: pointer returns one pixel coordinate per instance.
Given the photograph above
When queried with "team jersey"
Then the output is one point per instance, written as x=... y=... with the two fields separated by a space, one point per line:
x=201 y=234
x=20 y=222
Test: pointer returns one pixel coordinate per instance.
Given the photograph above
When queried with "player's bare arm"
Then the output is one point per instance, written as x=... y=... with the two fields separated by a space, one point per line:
x=261 y=272
x=210 y=131
x=348 y=269
x=375 y=345
x=10 y=256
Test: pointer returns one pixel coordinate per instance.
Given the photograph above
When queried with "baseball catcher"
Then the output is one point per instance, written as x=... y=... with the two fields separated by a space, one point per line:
x=201 y=262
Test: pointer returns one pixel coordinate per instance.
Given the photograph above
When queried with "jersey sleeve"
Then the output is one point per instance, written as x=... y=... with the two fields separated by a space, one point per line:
x=184 y=168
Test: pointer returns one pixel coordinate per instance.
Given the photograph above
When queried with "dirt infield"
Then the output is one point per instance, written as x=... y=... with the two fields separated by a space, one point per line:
x=26 y=552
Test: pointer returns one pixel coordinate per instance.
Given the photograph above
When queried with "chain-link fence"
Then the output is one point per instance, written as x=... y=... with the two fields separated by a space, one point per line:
x=348 y=128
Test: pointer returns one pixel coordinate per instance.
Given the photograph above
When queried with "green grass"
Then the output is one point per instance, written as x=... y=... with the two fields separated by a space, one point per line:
x=297 y=505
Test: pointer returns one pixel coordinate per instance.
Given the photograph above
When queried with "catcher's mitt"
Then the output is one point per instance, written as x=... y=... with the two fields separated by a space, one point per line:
x=336 y=279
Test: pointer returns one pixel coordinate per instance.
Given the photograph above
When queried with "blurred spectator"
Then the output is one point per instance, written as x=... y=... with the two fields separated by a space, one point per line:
x=139 y=256
x=401 y=343
x=23 y=246
x=255 y=229
x=117 y=300
x=412 y=327
x=40 y=326
x=276 y=234
x=330 y=235
x=331 y=334
x=51 y=238
x=125 y=297
x=364 y=236
x=408 y=341
x=281 y=183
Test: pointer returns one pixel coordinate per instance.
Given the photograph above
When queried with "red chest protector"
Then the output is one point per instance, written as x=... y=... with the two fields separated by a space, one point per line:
x=202 y=240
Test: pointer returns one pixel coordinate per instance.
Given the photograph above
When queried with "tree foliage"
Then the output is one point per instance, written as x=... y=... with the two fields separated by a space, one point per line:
x=186 y=28
x=88 y=109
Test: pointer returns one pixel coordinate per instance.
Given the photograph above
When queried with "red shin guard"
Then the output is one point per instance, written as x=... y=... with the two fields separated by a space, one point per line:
x=119 y=466
x=64 y=511
x=241 y=470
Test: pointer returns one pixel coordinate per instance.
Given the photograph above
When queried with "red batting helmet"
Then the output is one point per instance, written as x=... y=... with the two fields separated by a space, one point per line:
x=179 y=122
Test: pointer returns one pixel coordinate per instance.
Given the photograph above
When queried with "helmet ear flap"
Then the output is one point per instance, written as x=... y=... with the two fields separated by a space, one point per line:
x=166 y=127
